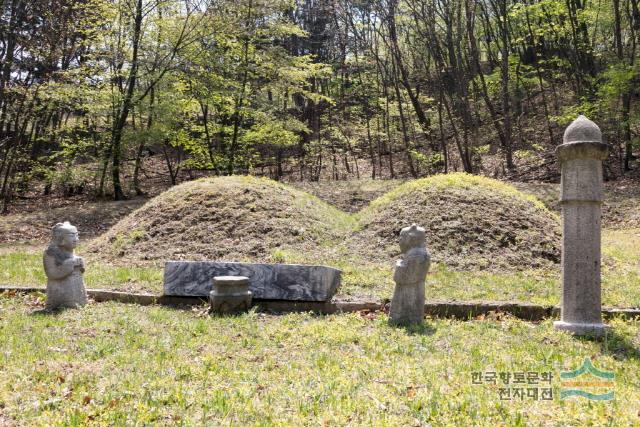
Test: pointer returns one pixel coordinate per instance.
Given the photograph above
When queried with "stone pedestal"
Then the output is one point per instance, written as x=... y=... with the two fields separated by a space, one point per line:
x=580 y=157
x=230 y=295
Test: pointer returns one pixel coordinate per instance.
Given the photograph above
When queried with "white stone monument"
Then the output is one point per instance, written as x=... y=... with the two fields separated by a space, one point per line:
x=65 y=285
x=580 y=156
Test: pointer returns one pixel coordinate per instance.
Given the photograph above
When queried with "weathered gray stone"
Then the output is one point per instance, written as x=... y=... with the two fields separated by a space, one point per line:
x=230 y=294
x=65 y=285
x=581 y=156
x=266 y=281
x=407 y=305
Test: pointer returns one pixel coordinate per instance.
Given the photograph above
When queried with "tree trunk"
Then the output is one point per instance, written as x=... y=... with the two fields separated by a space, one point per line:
x=118 y=126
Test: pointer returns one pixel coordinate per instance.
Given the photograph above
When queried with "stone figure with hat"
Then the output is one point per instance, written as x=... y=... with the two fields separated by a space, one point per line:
x=64 y=270
x=407 y=305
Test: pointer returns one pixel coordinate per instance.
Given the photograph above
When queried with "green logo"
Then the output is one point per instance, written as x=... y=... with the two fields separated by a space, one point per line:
x=597 y=388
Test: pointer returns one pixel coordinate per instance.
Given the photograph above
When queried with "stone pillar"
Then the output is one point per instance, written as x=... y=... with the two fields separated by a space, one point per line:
x=580 y=156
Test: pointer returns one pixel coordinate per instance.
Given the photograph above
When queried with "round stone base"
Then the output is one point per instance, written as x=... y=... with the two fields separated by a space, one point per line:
x=592 y=329
x=229 y=304
x=230 y=295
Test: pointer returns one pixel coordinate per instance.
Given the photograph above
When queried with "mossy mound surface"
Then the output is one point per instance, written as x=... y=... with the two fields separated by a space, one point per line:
x=235 y=218
x=471 y=222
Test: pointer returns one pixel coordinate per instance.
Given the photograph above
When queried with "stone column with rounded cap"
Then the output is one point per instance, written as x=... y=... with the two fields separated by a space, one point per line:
x=580 y=156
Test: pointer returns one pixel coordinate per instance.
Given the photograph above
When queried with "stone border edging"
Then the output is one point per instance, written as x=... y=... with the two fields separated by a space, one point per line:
x=463 y=310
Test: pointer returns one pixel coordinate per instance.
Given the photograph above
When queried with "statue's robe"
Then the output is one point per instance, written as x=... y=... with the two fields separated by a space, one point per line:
x=407 y=305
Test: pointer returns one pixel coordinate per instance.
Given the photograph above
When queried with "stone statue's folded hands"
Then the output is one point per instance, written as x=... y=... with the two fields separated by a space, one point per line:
x=79 y=262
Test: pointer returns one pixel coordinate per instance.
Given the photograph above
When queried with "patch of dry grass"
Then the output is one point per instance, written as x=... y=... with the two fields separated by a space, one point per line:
x=91 y=218
x=620 y=208
x=349 y=196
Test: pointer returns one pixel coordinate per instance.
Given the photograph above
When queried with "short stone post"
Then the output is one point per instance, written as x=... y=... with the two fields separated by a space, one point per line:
x=230 y=295
x=580 y=156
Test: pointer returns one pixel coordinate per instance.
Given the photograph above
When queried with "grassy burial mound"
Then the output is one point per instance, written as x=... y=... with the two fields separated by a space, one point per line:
x=228 y=218
x=471 y=222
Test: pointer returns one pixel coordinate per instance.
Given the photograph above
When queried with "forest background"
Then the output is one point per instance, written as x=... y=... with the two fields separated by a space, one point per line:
x=98 y=95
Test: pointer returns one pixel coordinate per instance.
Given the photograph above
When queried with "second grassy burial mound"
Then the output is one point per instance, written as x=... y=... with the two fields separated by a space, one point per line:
x=471 y=222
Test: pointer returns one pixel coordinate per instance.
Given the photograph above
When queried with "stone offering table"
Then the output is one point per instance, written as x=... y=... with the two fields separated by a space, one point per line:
x=266 y=281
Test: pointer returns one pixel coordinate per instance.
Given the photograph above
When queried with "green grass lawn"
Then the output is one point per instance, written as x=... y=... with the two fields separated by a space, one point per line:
x=115 y=364
x=620 y=278
x=24 y=268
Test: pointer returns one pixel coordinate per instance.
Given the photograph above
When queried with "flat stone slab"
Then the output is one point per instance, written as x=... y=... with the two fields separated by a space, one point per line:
x=462 y=310
x=266 y=281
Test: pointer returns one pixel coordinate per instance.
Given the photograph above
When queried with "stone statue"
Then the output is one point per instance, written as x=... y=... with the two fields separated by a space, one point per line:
x=407 y=305
x=65 y=286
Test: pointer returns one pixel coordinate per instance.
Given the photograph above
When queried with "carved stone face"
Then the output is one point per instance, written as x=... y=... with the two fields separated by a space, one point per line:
x=68 y=240
x=65 y=236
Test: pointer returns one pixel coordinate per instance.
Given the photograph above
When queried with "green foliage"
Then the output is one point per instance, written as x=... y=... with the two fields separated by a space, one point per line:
x=618 y=80
x=570 y=113
x=228 y=86
x=432 y=162
x=271 y=133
